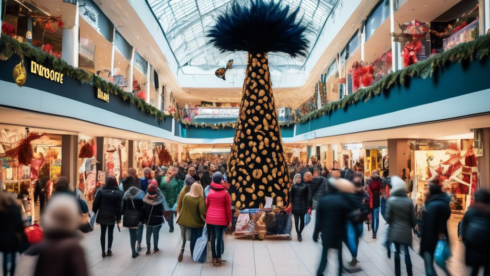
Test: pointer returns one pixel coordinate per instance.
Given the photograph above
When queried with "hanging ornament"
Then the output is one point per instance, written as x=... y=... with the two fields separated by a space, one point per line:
x=19 y=73
x=23 y=151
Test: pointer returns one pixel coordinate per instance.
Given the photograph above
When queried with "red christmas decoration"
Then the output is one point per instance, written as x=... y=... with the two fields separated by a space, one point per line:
x=141 y=95
x=410 y=51
x=8 y=29
x=23 y=151
x=86 y=151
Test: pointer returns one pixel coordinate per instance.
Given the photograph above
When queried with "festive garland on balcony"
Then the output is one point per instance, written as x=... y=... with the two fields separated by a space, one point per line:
x=10 y=46
x=479 y=48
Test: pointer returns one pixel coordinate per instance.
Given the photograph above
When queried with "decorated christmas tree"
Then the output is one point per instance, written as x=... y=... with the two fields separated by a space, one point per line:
x=257 y=167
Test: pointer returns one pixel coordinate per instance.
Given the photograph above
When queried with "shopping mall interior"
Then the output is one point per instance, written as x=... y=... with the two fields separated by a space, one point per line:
x=259 y=90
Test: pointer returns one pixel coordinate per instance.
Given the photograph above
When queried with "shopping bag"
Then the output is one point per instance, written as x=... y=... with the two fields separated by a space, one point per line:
x=93 y=219
x=86 y=225
x=442 y=253
x=307 y=218
x=200 y=249
x=34 y=233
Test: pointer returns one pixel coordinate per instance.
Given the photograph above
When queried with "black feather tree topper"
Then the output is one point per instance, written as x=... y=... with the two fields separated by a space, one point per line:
x=260 y=27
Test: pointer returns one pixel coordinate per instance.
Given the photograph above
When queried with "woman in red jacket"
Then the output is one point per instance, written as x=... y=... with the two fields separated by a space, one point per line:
x=218 y=216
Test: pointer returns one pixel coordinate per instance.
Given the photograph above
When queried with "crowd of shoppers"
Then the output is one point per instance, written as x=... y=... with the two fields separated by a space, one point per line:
x=338 y=200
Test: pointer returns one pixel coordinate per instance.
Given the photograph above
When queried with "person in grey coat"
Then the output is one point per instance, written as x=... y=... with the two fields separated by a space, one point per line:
x=400 y=216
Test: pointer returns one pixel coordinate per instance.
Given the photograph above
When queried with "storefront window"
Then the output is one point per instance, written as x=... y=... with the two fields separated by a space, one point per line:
x=377 y=17
x=140 y=76
x=41 y=28
x=95 y=48
x=122 y=56
x=116 y=157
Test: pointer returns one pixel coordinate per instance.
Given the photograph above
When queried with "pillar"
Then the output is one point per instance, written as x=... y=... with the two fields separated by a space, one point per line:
x=113 y=50
x=70 y=42
x=69 y=155
x=486 y=6
x=159 y=97
x=362 y=30
x=99 y=155
x=148 y=83
x=129 y=78
x=398 y=152
x=131 y=154
x=484 y=161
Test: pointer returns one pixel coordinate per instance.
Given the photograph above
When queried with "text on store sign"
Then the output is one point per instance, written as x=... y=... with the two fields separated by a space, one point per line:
x=42 y=71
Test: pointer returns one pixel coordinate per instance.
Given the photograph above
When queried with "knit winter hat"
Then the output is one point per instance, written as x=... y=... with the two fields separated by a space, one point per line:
x=153 y=182
x=189 y=180
x=61 y=214
x=397 y=184
x=152 y=188
x=217 y=177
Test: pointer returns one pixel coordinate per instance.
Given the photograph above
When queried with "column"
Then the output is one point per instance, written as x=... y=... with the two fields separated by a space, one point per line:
x=159 y=96
x=129 y=88
x=484 y=161
x=99 y=155
x=394 y=52
x=486 y=6
x=398 y=152
x=148 y=83
x=70 y=42
x=130 y=154
x=113 y=50
x=69 y=155
x=362 y=30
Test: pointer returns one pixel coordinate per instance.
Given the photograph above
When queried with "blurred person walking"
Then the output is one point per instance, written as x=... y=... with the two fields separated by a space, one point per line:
x=40 y=191
x=193 y=173
x=193 y=214
x=357 y=218
x=331 y=219
x=205 y=177
x=60 y=253
x=154 y=207
x=400 y=216
x=12 y=235
x=374 y=191
x=171 y=188
x=107 y=208
x=185 y=232
x=435 y=217
x=299 y=205
x=218 y=216
x=476 y=230
x=134 y=212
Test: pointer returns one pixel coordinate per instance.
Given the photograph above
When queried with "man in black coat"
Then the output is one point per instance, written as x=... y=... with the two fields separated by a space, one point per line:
x=331 y=219
x=40 y=191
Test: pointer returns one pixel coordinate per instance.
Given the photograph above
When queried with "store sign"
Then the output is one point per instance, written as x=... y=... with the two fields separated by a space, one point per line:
x=101 y=95
x=91 y=15
x=50 y=74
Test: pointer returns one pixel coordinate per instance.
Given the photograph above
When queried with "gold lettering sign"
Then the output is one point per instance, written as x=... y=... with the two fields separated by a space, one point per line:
x=47 y=73
x=102 y=95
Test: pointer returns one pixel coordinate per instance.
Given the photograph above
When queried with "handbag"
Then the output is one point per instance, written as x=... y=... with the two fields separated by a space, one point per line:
x=201 y=247
x=307 y=218
x=131 y=217
x=86 y=226
x=442 y=252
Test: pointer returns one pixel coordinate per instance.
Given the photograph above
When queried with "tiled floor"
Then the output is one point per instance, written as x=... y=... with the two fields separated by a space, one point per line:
x=247 y=257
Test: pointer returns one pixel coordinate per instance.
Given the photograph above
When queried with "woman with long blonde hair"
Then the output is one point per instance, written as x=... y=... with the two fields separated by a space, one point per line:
x=193 y=214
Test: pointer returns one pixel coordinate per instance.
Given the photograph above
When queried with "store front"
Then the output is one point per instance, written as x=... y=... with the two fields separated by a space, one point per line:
x=452 y=162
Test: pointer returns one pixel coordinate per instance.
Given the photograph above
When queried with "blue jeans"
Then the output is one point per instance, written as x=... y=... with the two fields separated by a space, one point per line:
x=135 y=235
x=408 y=261
x=354 y=232
x=375 y=220
x=382 y=205
x=9 y=258
x=155 y=230
x=216 y=237
x=195 y=234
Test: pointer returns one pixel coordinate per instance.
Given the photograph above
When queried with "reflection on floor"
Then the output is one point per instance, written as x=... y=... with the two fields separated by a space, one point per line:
x=247 y=257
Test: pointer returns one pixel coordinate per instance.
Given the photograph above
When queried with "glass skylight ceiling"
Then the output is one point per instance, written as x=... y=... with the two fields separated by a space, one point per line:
x=186 y=22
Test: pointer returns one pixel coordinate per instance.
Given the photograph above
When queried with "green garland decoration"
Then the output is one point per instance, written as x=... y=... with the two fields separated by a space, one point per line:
x=10 y=46
x=479 y=48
